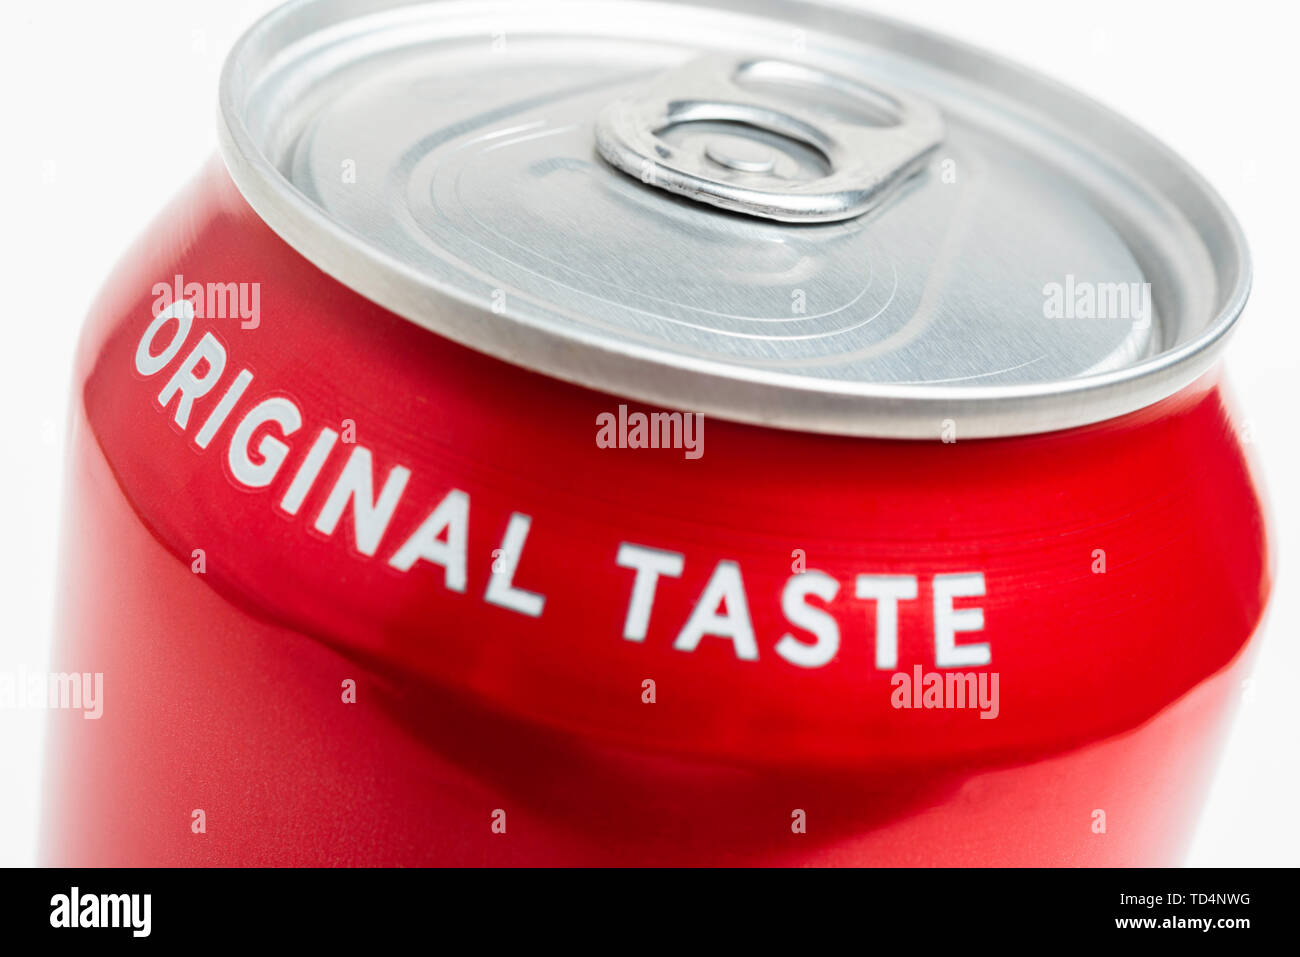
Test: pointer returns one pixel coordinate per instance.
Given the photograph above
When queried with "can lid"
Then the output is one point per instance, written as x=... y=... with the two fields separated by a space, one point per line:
x=776 y=212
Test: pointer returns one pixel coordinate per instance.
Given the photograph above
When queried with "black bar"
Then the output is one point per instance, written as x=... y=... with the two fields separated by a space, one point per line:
x=445 y=910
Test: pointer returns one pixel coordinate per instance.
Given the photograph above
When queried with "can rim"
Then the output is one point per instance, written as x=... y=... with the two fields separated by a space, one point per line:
x=731 y=391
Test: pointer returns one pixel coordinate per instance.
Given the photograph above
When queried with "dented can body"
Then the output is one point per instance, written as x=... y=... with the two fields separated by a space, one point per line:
x=453 y=542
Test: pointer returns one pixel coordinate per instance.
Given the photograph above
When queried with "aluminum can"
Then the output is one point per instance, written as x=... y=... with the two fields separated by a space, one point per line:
x=655 y=433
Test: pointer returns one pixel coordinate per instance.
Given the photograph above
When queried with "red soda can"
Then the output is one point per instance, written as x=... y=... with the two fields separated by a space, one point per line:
x=557 y=434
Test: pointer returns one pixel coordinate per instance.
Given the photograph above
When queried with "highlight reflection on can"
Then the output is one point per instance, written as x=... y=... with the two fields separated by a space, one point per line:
x=570 y=440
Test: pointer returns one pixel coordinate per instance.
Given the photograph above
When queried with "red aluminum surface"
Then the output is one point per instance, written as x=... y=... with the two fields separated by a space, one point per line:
x=223 y=689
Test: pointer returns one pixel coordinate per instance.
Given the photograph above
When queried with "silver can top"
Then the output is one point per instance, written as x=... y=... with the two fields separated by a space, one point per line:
x=771 y=211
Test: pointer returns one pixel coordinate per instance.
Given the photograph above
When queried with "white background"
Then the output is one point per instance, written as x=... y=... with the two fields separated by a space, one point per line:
x=109 y=108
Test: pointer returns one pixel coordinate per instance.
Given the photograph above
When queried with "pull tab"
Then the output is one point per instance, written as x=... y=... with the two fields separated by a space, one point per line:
x=710 y=131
